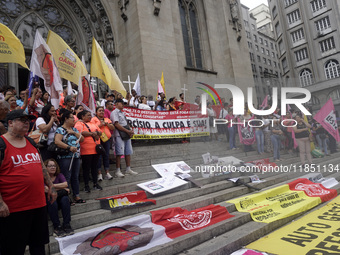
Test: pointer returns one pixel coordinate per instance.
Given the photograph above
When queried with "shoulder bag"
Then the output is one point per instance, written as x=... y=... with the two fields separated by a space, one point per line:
x=99 y=148
x=57 y=150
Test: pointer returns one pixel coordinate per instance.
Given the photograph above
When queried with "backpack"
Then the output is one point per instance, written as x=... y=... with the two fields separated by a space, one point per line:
x=3 y=147
x=317 y=153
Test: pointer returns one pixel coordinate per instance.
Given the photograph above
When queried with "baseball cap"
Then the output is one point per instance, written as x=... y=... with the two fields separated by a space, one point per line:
x=15 y=114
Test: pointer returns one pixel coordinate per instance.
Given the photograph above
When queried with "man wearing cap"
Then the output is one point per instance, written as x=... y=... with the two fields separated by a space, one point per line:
x=122 y=147
x=23 y=213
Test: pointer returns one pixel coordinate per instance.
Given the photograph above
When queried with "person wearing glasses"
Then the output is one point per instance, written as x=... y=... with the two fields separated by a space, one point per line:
x=70 y=103
x=22 y=193
x=62 y=202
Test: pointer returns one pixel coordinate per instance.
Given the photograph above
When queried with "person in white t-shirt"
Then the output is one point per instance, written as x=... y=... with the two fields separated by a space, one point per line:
x=143 y=104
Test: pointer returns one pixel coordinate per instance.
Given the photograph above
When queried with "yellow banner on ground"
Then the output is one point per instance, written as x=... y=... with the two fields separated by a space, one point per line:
x=11 y=49
x=315 y=233
x=275 y=204
x=69 y=65
x=102 y=68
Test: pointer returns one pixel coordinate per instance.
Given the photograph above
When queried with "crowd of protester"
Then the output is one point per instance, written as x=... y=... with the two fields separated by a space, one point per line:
x=77 y=134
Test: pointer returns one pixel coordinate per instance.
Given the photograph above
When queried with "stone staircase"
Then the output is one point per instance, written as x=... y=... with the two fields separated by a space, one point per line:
x=221 y=238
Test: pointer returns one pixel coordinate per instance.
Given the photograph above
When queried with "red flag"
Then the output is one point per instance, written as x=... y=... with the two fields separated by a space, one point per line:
x=264 y=103
x=178 y=221
x=313 y=189
x=326 y=117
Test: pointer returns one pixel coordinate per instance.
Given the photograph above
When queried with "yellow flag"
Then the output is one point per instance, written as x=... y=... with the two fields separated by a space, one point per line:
x=11 y=49
x=163 y=84
x=69 y=65
x=102 y=68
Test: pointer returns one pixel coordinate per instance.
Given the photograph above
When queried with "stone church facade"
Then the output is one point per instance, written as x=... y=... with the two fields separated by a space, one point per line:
x=188 y=40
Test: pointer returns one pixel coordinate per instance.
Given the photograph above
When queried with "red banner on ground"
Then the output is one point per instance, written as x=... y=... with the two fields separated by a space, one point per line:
x=313 y=189
x=131 y=199
x=178 y=221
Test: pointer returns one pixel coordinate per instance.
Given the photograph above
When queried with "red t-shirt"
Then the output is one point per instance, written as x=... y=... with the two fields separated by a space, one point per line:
x=21 y=178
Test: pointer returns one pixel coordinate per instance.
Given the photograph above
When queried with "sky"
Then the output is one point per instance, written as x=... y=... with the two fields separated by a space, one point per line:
x=253 y=3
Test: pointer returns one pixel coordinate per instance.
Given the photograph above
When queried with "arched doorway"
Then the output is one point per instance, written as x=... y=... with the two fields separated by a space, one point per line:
x=76 y=21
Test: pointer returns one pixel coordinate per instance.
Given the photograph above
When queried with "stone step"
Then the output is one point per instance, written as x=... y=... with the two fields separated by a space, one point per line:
x=239 y=237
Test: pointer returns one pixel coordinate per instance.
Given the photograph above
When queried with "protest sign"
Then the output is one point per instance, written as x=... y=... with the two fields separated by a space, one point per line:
x=172 y=168
x=162 y=184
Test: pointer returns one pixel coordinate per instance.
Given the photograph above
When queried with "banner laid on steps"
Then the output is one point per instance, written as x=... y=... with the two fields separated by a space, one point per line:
x=284 y=201
x=127 y=200
x=178 y=221
x=139 y=233
x=172 y=168
x=247 y=252
x=129 y=236
x=264 y=165
x=166 y=124
x=162 y=184
x=316 y=233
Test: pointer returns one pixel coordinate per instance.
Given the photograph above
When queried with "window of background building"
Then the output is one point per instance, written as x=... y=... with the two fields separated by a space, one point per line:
x=274 y=63
x=191 y=37
x=294 y=16
x=258 y=58
x=260 y=68
x=267 y=52
x=298 y=35
x=261 y=40
x=271 y=45
x=246 y=23
x=266 y=42
x=269 y=62
x=281 y=47
x=335 y=94
x=253 y=27
x=273 y=55
x=301 y=54
x=323 y=24
x=289 y=2
x=256 y=47
x=284 y=65
x=262 y=50
x=255 y=38
x=306 y=77
x=332 y=69
x=274 y=12
x=248 y=34
x=277 y=29
x=317 y=5
x=327 y=44
x=264 y=61
x=250 y=45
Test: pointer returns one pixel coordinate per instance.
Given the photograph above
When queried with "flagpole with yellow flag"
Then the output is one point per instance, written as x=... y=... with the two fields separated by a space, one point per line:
x=163 y=84
x=102 y=69
x=11 y=49
x=69 y=65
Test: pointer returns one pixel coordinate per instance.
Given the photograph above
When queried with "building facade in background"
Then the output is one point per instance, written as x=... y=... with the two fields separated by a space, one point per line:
x=189 y=40
x=308 y=42
x=262 y=51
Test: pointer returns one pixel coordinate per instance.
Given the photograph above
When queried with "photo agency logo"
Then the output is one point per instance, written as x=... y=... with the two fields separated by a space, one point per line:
x=238 y=107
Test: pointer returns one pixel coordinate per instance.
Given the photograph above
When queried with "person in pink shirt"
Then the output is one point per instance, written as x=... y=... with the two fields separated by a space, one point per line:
x=108 y=108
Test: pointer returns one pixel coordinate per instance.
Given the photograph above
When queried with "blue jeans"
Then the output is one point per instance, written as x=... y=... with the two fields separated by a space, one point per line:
x=64 y=204
x=259 y=140
x=106 y=157
x=276 y=141
x=72 y=177
x=322 y=144
x=232 y=143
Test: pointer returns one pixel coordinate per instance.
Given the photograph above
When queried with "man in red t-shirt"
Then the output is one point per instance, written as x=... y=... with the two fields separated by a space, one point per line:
x=23 y=213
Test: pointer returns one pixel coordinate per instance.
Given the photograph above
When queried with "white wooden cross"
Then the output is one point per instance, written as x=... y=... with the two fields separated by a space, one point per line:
x=129 y=82
x=184 y=89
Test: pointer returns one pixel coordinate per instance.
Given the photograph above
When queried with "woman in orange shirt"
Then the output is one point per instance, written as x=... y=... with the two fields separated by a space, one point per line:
x=106 y=127
x=91 y=133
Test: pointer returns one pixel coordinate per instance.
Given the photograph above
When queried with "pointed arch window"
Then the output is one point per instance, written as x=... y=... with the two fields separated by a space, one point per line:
x=306 y=77
x=191 y=33
x=332 y=69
